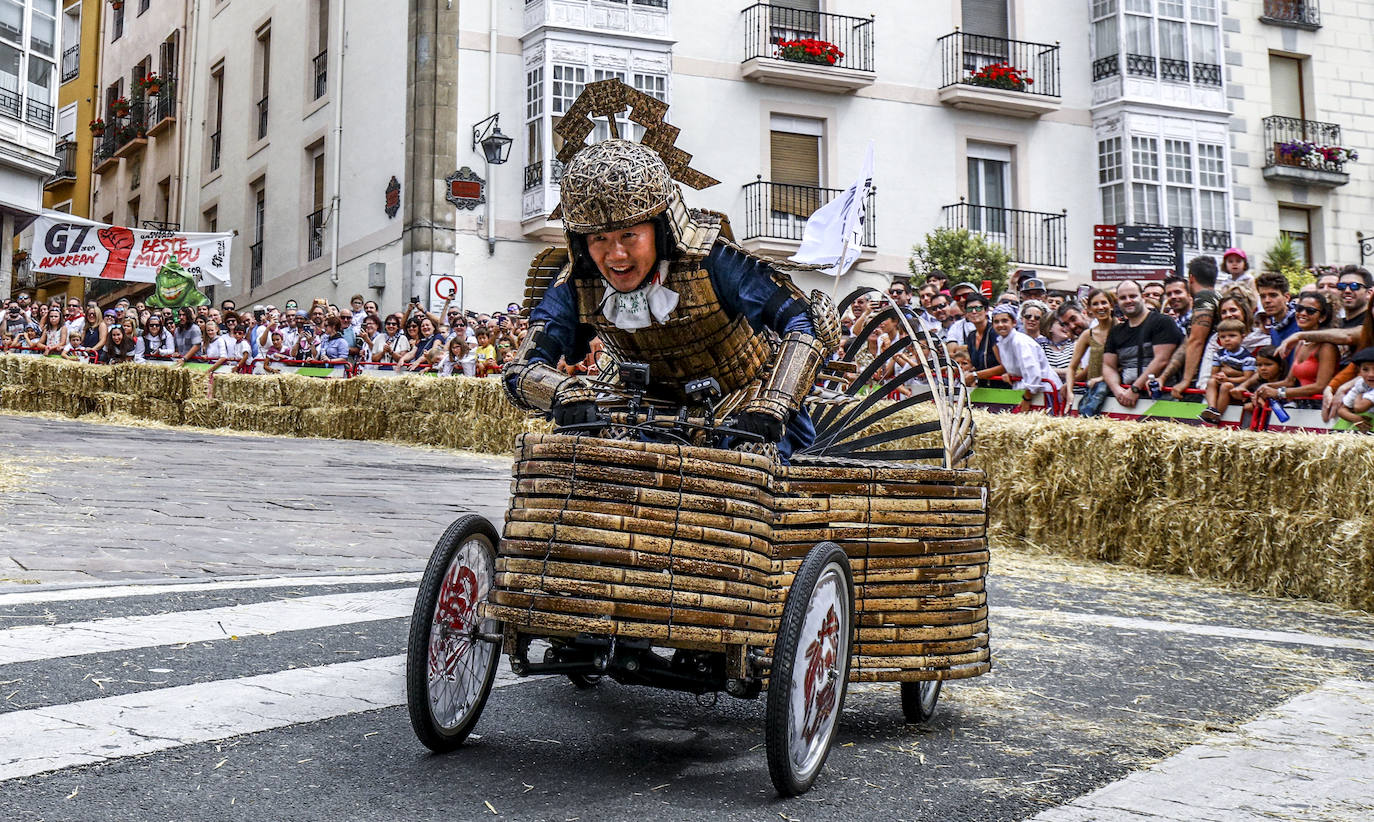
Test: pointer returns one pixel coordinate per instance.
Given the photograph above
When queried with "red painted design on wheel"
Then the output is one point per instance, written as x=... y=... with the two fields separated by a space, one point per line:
x=456 y=611
x=821 y=690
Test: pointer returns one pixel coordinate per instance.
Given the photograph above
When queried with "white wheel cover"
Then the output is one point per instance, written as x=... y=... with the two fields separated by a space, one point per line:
x=819 y=671
x=459 y=664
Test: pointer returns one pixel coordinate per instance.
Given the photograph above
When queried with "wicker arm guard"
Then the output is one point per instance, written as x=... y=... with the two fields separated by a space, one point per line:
x=799 y=359
x=534 y=385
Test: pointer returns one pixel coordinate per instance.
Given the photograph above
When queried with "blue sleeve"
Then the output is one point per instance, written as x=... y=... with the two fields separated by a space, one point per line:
x=563 y=336
x=746 y=286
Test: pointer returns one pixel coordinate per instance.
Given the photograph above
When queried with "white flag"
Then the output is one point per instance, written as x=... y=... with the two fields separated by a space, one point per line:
x=834 y=232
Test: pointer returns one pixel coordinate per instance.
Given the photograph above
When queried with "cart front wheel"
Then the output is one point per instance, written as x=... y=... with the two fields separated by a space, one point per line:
x=810 y=672
x=449 y=668
x=918 y=700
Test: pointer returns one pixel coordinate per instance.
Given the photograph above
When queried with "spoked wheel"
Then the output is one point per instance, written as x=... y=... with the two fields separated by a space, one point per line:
x=449 y=669
x=918 y=700
x=810 y=672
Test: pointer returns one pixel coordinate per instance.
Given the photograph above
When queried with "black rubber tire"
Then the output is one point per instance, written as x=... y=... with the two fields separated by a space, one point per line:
x=918 y=700
x=585 y=682
x=430 y=732
x=778 y=713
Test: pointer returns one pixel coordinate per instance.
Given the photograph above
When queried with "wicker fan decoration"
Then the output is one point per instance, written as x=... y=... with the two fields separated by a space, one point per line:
x=856 y=424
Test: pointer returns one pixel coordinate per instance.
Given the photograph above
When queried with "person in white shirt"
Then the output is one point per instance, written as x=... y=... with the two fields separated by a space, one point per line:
x=224 y=348
x=155 y=342
x=1022 y=357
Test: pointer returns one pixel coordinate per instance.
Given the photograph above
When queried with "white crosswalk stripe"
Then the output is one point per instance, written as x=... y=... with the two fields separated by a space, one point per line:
x=91 y=592
x=34 y=642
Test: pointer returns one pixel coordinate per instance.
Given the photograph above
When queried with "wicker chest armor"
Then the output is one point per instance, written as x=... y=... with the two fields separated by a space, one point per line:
x=699 y=339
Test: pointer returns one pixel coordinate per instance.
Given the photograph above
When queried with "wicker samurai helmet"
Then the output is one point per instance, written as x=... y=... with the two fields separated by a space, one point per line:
x=615 y=184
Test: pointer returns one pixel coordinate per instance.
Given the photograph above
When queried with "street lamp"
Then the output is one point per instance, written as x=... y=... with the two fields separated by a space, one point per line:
x=495 y=145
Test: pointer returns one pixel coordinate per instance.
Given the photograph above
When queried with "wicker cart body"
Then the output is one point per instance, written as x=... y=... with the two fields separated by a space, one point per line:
x=696 y=548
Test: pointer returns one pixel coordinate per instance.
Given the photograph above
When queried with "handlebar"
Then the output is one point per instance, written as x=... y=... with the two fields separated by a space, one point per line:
x=680 y=427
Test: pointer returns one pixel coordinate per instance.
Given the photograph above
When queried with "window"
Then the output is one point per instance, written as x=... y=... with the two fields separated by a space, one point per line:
x=568 y=82
x=534 y=127
x=795 y=167
x=164 y=201
x=989 y=187
x=1296 y=225
x=12 y=20
x=1144 y=173
x=1286 y=87
x=134 y=206
x=143 y=6
x=314 y=222
x=71 y=38
x=43 y=39
x=264 y=77
x=217 y=114
x=1109 y=176
x=985 y=17
x=116 y=22
x=258 y=194
x=209 y=220
x=321 y=48
x=1172 y=40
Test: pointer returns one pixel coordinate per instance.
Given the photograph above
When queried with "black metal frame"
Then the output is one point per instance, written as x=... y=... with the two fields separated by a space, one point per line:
x=255 y=265
x=963 y=54
x=215 y=144
x=321 y=73
x=1140 y=65
x=71 y=56
x=262 y=118
x=314 y=228
x=1173 y=70
x=1290 y=129
x=66 y=163
x=765 y=25
x=780 y=210
x=39 y=114
x=534 y=175
x=1032 y=237
x=1104 y=67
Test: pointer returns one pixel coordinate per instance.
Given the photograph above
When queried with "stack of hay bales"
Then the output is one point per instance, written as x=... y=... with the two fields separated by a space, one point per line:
x=1278 y=514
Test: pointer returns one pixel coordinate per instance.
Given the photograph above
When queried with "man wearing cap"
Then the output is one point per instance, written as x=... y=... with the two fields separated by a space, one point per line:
x=1032 y=288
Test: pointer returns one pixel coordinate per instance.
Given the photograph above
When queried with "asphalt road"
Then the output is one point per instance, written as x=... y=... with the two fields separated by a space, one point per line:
x=1114 y=694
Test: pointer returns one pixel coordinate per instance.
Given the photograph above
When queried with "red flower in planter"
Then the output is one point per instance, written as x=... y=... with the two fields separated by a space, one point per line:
x=808 y=50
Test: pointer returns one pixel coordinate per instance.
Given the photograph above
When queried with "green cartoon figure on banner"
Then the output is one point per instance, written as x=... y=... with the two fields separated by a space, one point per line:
x=175 y=288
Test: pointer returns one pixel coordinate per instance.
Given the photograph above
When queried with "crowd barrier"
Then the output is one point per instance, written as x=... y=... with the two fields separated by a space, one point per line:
x=86 y=355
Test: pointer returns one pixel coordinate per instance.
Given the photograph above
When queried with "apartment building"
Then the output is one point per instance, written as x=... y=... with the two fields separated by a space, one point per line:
x=29 y=53
x=138 y=155
x=1300 y=86
x=294 y=142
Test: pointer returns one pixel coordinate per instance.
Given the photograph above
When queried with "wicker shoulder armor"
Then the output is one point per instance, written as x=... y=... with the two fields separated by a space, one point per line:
x=546 y=269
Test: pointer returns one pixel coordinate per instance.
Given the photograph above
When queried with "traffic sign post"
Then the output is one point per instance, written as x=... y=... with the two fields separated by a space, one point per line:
x=445 y=287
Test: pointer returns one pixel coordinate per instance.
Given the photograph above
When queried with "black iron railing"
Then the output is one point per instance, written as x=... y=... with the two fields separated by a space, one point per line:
x=1215 y=239
x=1207 y=74
x=107 y=144
x=39 y=114
x=994 y=62
x=534 y=175
x=11 y=103
x=555 y=170
x=1175 y=70
x=1104 y=67
x=255 y=265
x=262 y=118
x=214 y=151
x=1289 y=141
x=780 y=210
x=1140 y=65
x=161 y=225
x=1302 y=13
x=71 y=63
x=766 y=26
x=321 y=73
x=66 y=163
x=131 y=125
x=163 y=106
x=1031 y=237
x=314 y=233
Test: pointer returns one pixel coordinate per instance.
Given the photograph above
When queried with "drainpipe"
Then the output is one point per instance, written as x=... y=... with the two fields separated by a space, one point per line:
x=186 y=108
x=491 y=109
x=340 y=38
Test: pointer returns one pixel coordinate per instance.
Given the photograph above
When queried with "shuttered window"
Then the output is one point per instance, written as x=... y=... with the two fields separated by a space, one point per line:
x=1285 y=87
x=795 y=172
x=986 y=17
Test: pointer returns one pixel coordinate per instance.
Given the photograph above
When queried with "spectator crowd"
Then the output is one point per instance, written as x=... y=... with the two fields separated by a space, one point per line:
x=1248 y=341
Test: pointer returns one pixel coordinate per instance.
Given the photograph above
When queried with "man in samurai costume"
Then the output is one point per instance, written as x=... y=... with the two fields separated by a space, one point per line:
x=661 y=285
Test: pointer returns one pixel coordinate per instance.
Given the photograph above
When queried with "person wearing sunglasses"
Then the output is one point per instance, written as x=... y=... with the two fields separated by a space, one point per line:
x=156 y=341
x=1354 y=286
x=1313 y=363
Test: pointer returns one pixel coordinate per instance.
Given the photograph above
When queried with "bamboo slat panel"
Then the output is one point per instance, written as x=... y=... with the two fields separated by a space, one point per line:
x=697 y=548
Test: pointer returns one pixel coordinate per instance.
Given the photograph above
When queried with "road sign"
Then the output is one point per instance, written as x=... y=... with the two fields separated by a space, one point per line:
x=1126 y=258
x=1137 y=245
x=445 y=287
x=1106 y=275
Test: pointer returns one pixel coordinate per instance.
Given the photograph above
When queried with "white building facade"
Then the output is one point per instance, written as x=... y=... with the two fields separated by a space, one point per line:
x=28 y=100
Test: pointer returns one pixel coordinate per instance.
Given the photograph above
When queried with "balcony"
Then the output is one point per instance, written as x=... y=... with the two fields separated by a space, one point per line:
x=1010 y=77
x=262 y=118
x=539 y=200
x=1300 y=14
x=105 y=147
x=639 y=18
x=11 y=104
x=1304 y=152
x=66 y=165
x=321 y=74
x=1163 y=68
x=131 y=129
x=1031 y=237
x=776 y=213
x=71 y=64
x=162 y=109
x=161 y=225
x=39 y=114
x=766 y=61
x=314 y=235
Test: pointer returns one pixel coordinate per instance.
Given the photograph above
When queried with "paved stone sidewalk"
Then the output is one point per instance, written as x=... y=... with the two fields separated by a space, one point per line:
x=95 y=502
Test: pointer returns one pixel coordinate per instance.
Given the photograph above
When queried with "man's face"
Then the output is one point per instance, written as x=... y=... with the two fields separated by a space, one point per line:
x=1003 y=324
x=370 y=307
x=317 y=316
x=345 y=317
x=1075 y=322
x=1326 y=284
x=1354 y=296
x=1128 y=300
x=939 y=308
x=73 y=308
x=1179 y=298
x=1153 y=295
x=625 y=257
x=24 y=300
x=1033 y=294
x=227 y=305
x=1274 y=302
x=899 y=294
x=927 y=295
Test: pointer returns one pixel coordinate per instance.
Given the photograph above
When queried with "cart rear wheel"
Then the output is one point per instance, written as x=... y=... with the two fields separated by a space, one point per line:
x=585 y=682
x=449 y=670
x=918 y=700
x=810 y=672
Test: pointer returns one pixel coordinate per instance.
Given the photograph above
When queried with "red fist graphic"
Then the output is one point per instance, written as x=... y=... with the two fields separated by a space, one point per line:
x=119 y=241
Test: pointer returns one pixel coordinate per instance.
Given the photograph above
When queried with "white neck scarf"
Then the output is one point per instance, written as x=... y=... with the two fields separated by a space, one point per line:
x=633 y=310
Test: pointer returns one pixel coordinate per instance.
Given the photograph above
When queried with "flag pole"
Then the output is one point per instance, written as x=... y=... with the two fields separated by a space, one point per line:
x=839 y=270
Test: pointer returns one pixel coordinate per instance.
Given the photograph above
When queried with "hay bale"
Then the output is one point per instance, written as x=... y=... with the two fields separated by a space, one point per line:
x=344 y=423
x=266 y=419
x=304 y=392
x=249 y=389
x=18 y=398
